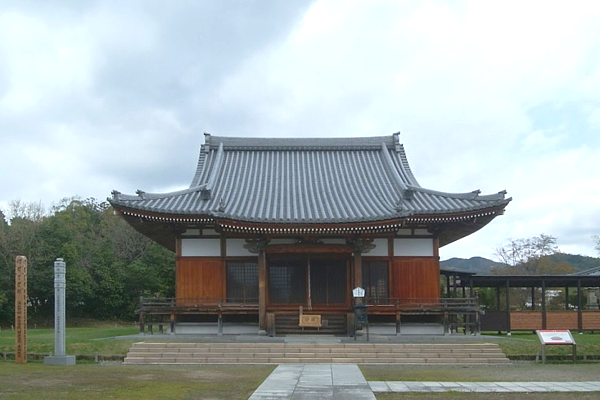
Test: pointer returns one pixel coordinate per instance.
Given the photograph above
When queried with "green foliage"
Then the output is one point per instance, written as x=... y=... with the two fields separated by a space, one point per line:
x=109 y=264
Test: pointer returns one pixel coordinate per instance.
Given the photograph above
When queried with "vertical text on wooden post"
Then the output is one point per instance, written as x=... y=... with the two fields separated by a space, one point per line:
x=21 y=310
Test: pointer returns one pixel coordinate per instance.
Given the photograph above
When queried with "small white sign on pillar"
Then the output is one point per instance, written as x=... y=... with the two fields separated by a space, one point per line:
x=59 y=357
x=358 y=292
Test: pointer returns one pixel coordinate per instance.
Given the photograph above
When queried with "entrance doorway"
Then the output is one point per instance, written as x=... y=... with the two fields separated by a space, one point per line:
x=308 y=281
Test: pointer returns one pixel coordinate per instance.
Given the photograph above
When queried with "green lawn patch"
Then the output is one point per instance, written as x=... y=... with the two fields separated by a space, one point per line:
x=527 y=343
x=95 y=381
x=517 y=372
x=88 y=340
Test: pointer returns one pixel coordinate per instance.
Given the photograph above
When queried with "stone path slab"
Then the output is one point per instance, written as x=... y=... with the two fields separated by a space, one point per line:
x=491 y=387
x=346 y=382
x=315 y=381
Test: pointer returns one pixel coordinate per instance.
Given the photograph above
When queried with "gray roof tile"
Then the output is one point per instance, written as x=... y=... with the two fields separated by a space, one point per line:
x=330 y=180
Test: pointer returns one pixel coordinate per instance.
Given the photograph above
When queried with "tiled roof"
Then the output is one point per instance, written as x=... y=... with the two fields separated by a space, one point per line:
x=333 y=180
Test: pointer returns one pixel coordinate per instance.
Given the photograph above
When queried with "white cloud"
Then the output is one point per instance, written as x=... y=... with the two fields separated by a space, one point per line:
x=109 y=95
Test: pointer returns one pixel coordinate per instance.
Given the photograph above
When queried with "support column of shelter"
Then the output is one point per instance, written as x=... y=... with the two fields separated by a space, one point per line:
x=543 y=304
x=507 y=307
x=579 y=315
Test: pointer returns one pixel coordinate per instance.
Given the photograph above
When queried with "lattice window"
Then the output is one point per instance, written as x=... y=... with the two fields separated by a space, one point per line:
x=328 y=281
x=287 y=281
x=375 y=281
x=242 y=282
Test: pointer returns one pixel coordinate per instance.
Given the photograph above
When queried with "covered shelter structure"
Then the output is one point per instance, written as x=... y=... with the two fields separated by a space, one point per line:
x=579 y=303
x=274 y=228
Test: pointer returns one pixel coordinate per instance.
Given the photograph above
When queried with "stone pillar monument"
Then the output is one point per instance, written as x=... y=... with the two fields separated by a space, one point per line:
x=59 y=357
x=21 y=310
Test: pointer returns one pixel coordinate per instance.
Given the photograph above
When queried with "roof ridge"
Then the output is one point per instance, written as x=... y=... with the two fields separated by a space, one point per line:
x=307 y=143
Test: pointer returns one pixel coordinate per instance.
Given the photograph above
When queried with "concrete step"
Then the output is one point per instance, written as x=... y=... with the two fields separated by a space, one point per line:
x=278 y=353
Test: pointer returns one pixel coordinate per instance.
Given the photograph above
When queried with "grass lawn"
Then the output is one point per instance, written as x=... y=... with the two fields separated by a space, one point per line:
x=517 y=372
x=95 y=381
x=526 y=343
x=80 y=340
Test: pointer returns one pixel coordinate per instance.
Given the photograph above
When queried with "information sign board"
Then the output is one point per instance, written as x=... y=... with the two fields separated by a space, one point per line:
x=556 y=338
x=358 y=292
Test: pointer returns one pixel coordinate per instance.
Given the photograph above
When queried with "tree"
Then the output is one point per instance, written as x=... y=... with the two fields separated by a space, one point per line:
x=530 y=256
x=109 y=264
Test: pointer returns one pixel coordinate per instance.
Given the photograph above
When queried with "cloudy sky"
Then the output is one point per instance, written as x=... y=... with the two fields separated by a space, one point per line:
x=103 y=95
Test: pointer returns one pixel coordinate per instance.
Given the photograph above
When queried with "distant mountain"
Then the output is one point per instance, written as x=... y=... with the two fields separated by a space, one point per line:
x=477 y=265
x=480 y=265
x=580 y=263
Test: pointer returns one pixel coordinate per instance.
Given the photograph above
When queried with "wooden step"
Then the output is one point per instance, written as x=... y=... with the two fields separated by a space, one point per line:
x=312 y=353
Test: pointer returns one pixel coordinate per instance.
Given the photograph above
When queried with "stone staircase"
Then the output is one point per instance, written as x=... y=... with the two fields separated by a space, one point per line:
x=313 y=353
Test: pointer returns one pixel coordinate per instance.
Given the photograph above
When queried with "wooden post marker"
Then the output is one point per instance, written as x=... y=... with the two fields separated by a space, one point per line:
x=21 y=310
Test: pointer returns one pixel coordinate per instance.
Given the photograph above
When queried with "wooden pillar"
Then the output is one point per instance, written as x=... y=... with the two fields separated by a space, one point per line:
x=566 y=298
x=262 y=290
x=579 y=315
x=498 y=306
x=533 y=298
x=357 y=273
x=21 y=310
x=543 y=304
x=454 y=285
x=507 y=307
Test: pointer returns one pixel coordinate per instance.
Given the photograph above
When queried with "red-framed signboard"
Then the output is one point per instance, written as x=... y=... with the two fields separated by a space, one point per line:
x=556 y=337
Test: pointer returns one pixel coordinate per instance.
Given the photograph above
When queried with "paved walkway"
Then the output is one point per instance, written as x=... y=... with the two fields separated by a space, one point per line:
x=315 y=381
x=346 y=382
x=514 y=387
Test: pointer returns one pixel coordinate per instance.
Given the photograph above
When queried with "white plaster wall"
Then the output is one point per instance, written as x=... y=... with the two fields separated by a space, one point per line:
x=200 y=247
x=380 y=250
x=235 y=248
x=413 y=247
